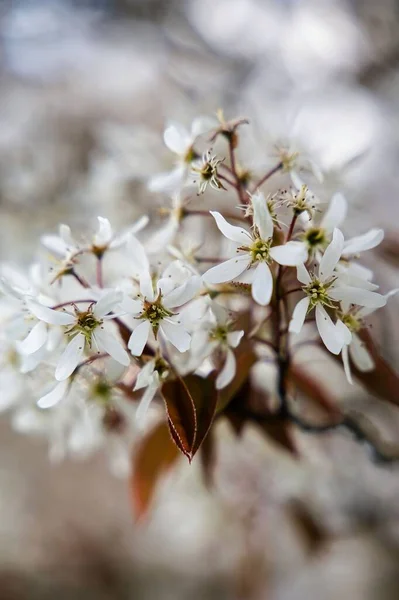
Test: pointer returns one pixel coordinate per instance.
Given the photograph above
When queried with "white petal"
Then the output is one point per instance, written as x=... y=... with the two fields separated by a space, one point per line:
x=164 y=236
x=262 y=217
x=139 y=224
x=228 y=372
x=296 y=180
x=107 y=303
x=236 y=234
x=54 y=244
x=358 y=296
x=124 y=236
x=145 y=375
x=104 y=233
x=220 y=313
x=147 y=398
x=139 y=338
x=131 y=306
x=331 y=337
x=302 y=274
x=70 y=358
x=177 y=139
x=169 y=182
x=176 y=334
x=262 y=286
x=146 y=286
x=345 y=360
x=234 y=338
x=228 y=270
x=52 y=398
x=359 y=271
x=331 y=255
x=138 y=256
x=291 y=254
x=335 y=214
x=48 y=315
x=299 y=315
x=344 y=331
x=202 y=125
x=110 y=345
x=360 y=355
x=66 y=236
x=183 y=293
x=34 y=340
x=368 y=240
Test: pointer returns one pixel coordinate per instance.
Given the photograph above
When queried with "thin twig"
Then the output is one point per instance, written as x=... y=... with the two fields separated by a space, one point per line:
x=267 y=176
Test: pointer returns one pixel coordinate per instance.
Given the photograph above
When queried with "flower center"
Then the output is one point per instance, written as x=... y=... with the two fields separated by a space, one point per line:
x=260 y=250
x=219 y=334
x=155 y=312
x=318 y=293
x=86 y=323
x=315 y=236
x=352 y=322
x=101 y=391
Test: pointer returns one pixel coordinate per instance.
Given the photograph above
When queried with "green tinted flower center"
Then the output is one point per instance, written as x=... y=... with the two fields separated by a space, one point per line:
x=86 y=323
x=260 y=250
x=315 y=236
x=219 y=334
x=318 y=293
x=101 y=391
x=352 y=322
x=155 y=312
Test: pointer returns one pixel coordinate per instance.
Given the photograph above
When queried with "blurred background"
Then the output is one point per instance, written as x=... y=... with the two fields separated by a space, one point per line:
x=86 y=87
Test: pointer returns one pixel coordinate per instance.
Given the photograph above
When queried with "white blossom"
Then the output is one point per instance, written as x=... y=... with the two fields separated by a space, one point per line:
x=350 y=322
x=255 y=252
x=181 y=142
x=216 y=333
x=325 y=290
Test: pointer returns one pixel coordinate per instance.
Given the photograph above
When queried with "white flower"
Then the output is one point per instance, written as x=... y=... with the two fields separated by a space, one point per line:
x=86 y=328
x=326 y=290
x=28 y=325
x=350 y=322
x=180 y=141
x=205 y=172
x=255 y=252
x=65 y=249
x=153 y=309
x=217 y=334
x=318 y=232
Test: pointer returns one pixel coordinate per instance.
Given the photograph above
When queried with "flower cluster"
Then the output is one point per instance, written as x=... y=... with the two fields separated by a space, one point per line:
x=86 y=346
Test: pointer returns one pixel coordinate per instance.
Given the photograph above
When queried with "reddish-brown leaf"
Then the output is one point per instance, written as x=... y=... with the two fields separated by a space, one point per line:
x=382 y=380
x=190 y=404
x=182 y=417
x=154 y=456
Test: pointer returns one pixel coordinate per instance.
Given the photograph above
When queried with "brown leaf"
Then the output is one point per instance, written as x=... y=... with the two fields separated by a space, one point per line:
x=190 y=404
x=383 y=380
x=182 y=416
x=154 y=456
